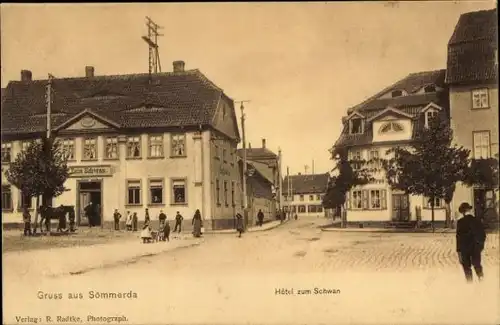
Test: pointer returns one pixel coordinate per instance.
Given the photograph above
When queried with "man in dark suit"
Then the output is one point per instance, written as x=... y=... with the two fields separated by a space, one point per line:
x=470 y=242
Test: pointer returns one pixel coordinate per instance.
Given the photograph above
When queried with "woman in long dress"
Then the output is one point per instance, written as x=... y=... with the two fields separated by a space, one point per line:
x=197 y=224
x=239 y=224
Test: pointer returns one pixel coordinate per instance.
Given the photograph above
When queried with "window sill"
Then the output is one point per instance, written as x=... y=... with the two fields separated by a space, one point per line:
x=133 y=205
x=156 y=204
x=156 y=157
x=172 y=156
x=479 y=108
x=435 y=208
x=8 y=210
x=179 y=204
x=87 y=160
x=133 y=158
x=111 y=159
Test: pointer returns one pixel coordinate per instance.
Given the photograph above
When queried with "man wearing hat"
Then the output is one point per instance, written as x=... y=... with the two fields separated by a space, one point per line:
x=470 y=242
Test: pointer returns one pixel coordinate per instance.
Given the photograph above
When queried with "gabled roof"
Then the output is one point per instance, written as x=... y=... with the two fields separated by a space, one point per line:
x=471 y=49
x=389 y=110
x=82 y=114
x=258 y=154
x=131 y=101
x=411 y=84
x=431 y=105
x=410 y=106
x=306 y=184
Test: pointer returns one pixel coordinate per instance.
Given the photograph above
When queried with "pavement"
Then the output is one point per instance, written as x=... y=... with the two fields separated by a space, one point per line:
x=343 y=278
x=266 y=226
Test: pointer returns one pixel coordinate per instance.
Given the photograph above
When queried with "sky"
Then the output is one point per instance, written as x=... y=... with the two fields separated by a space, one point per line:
x=302 y=65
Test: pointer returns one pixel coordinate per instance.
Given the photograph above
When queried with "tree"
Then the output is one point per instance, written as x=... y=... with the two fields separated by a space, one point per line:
x=40 y=169
x=350 y=173
x=431 y=166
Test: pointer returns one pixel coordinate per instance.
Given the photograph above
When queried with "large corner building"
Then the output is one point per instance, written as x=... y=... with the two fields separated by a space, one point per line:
x=162 y=141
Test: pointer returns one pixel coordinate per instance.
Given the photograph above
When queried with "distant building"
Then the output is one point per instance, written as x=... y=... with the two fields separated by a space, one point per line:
x=472 y=76
x=166 y=141
x=306 y=195
x=263 y=184
x=392 y=117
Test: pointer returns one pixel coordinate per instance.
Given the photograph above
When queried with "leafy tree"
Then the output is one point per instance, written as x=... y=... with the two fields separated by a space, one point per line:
x=39 y=170
x=350 y=173
x=430 y=166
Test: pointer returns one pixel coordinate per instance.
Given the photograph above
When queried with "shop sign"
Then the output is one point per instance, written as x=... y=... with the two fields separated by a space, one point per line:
x=90 y=171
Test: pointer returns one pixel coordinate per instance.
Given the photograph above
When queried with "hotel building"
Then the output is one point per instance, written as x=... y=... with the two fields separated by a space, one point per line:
x=165 y=141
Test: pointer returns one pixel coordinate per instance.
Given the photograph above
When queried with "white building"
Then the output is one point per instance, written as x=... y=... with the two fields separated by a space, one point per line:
x=392 y=117
x=163 y=142
x=303 y=194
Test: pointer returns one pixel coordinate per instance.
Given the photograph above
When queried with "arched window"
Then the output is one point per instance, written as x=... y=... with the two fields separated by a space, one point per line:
x=391 y=127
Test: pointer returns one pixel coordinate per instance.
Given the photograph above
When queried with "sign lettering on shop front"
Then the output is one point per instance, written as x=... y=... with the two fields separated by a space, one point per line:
x=88 y=171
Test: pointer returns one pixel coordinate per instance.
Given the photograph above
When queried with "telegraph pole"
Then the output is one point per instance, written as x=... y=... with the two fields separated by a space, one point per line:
x=49 y=105
x=152 y=41
x=244 y=180
x=280 y=182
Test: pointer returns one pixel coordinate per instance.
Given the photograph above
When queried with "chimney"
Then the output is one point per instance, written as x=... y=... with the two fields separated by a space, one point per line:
x=89 y=71
x=249 y=145
x=264 y=143
x=26 y=76
x=179 y=66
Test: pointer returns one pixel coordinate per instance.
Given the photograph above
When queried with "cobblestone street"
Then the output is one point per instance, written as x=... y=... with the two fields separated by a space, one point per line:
x=392 y=278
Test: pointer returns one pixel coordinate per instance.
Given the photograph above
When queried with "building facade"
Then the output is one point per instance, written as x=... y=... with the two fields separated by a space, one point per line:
x=472 y=76
x=392 y=117
x=262 y=181
x=165 y=141
x=303 y=195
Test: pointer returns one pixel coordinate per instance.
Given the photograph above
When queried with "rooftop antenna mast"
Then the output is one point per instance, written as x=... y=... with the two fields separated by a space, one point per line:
x=152 y=40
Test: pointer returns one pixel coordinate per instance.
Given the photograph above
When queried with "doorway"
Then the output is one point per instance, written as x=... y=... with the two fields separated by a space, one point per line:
x=400 y=208
x=89 y=193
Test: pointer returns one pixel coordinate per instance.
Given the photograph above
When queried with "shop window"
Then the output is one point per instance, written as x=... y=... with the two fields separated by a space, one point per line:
x=6 y=198
x=134 y=192
x=179 y=191
x=156 y=191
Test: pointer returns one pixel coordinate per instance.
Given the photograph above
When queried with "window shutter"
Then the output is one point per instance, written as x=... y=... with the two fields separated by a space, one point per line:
x=348 y=200
x=364 y=196
x=383 y=199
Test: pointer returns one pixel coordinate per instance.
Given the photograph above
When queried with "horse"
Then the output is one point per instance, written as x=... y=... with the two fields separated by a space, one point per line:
x=49 y=213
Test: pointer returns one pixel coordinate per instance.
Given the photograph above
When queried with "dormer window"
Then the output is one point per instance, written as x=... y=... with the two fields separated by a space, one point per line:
x=397 y=93
x=356 y=126
x=430 y=115
x=430 y=89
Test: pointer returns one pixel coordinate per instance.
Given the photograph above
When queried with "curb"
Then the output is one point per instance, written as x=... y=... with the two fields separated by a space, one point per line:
x=253 y=229
x=390 y=231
